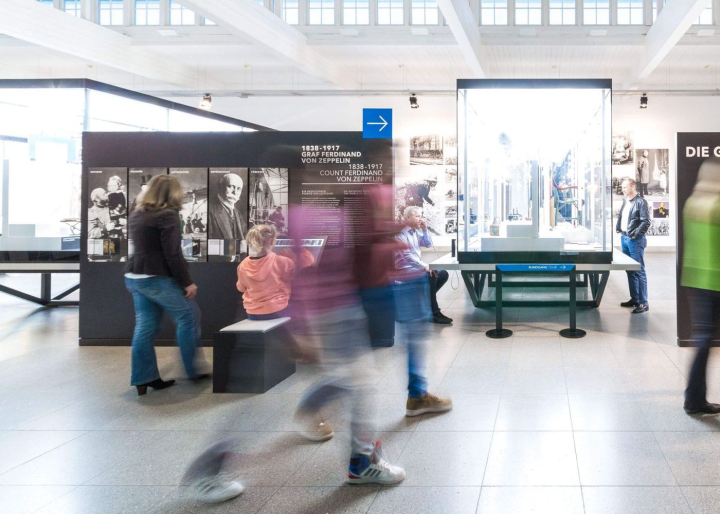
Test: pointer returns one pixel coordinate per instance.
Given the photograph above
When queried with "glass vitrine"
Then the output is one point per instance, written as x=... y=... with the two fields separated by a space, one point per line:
x=534 y=172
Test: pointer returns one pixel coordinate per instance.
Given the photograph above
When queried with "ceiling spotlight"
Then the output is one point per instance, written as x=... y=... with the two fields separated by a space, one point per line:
x=206 y=102
x=413 y=101
x=643 y=101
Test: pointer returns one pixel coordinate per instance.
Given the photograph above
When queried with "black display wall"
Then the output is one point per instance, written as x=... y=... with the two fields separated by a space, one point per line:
x=692 y=150
x=344 y=160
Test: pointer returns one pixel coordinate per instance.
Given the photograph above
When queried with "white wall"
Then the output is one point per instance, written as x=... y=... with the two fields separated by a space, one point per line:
x=654 y=127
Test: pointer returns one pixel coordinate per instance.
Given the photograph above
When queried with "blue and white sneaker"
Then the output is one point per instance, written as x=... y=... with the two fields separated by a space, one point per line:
x=374 y=469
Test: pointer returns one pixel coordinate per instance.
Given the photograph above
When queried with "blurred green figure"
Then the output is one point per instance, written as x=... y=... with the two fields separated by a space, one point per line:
x=701 y=273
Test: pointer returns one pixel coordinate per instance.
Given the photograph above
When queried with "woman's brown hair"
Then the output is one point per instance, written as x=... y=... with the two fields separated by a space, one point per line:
x=163 y=192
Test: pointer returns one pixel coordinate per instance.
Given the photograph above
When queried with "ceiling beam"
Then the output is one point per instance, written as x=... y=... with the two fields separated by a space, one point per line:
x=248 y=18
x=670 y=26
x=56 y=30
x=460 y=19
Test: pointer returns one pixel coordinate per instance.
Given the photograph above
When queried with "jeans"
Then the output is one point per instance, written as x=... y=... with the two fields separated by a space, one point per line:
x=703 y=320
x=349 y=369
x=637 y=280
x=151 y=297
x=436 y=284
x=413 y=313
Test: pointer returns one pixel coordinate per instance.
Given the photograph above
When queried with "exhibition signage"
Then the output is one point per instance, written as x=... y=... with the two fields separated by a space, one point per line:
x=529 y=268
x=377 y=123
x=693 y=150
x=316 y=184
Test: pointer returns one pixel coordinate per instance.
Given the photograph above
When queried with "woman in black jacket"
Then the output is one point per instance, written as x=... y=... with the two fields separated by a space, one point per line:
x=158 y=278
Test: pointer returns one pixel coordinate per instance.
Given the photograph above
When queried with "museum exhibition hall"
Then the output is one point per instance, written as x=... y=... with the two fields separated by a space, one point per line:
x=360 y=256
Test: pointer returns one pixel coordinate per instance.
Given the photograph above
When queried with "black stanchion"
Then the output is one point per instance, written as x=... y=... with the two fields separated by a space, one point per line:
x=498 y=332
x=573 y=332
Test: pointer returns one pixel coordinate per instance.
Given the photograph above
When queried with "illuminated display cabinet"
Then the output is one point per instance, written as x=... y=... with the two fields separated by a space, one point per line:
x=534 y=171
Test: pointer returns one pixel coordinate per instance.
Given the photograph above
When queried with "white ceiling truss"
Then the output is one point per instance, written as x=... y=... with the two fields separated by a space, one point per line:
x=251 y=50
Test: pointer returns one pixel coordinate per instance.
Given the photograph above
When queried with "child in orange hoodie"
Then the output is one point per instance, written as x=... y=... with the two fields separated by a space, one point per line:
x=264 y=277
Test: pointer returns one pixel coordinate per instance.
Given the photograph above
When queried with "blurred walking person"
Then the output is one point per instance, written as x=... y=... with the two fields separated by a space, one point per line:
x=158 y=278
x=335 y=315
x=701 y=273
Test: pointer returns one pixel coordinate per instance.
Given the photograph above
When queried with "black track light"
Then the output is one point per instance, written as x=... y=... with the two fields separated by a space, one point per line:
x=644 y=101
x=413 y=102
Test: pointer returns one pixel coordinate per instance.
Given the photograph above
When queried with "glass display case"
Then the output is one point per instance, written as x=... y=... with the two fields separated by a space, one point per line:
x=41 y=126
x=534 y=171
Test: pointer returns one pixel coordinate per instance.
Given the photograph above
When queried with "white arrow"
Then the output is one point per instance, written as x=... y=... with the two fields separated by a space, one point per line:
x=384 y=123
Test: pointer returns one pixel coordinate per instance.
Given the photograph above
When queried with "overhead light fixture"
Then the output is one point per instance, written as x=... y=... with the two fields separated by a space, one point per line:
x=705 y=33
x=206 y=102
x=644 y=101
x=598 y=32
x=413 y=102
x=167 y=32
x=419 y=31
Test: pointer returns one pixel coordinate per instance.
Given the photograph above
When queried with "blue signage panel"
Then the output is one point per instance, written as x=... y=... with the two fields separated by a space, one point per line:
x=377 y=124
x=529 y=268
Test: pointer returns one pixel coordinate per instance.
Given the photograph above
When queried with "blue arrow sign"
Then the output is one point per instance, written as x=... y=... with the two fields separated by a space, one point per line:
x=377 y=123
x=529 y=268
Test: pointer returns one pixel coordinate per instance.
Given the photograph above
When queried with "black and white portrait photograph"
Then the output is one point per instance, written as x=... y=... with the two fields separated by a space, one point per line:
x=138 y=180
x=107 y=213
x=652 y=169
x=623 y=150
x=227 y=214
x=426 y=149
x=268 y=199
x=194 y=212
x=659 y=227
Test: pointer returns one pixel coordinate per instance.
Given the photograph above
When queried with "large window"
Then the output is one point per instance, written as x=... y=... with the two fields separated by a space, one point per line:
x=630 y=12
x=207 y=21
x=494 y=12
x=390 y=12
x=356 y=12
x=706 y=18
x=73 y=7
x=562 y=12
x=291 y=12
x=655 y=9
x=424 y=12
x=596 y=12
x=110 y=12
x=46 y=2
x=180 y=15
x=321 y=12
x=528 y=12
x=147 y=12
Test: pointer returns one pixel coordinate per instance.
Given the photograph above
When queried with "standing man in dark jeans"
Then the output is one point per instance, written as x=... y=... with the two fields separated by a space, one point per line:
x=413 y=236
x=701 y=275
x=633 y=222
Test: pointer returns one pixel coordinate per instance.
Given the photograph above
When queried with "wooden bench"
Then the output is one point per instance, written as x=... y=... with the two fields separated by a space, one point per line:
x=251 y=356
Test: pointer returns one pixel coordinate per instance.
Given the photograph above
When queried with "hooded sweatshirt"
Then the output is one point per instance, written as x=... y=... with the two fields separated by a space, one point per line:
x=265 y=283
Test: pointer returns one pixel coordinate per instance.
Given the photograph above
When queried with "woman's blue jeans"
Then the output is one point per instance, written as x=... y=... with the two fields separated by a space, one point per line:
x=151 y=297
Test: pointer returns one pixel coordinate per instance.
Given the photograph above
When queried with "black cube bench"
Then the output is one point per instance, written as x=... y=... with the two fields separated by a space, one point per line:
x=251 y=356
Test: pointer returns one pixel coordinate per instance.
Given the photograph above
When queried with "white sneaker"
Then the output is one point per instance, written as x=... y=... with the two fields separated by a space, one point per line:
x=374 y=469
x=217 y=489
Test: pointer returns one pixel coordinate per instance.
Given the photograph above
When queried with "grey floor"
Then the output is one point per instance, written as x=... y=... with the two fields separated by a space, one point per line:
x=541 y=424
